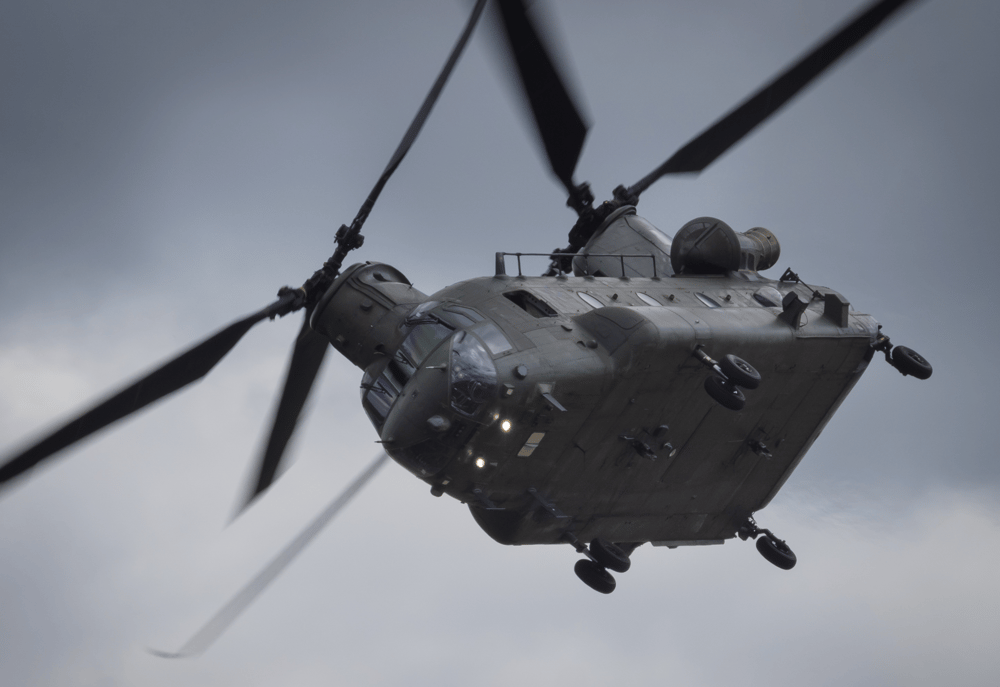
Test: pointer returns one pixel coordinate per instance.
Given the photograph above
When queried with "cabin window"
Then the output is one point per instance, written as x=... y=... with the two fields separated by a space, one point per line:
x=590 y=300
x=768 y=296
x=531 y=444
x=531 y=304
x=647 y=299
x=707 y=300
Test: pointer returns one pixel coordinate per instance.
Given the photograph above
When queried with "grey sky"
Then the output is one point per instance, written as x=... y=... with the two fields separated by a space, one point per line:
x=165 y=167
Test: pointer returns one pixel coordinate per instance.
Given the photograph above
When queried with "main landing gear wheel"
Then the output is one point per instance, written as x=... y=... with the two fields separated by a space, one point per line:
x=595 y=576
x=909 y=362
x=610 y=556
x=726 y=393
x=776 y=552
x=740 y=372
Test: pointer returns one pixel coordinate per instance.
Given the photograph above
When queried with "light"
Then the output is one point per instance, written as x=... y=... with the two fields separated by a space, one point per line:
x=505 y=425
x=480 y=463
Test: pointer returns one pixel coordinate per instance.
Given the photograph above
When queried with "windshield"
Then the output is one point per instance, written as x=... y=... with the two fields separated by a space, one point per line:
x=378 y=395
x=473 y=375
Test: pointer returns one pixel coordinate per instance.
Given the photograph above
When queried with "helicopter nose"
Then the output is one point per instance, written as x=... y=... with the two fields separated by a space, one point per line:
x=421 y=412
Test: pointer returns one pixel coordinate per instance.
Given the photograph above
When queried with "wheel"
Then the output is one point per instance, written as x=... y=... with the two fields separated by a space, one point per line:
x=776 y=553
x=727 y=394
x=594 y=576
x=740 y=372
x=909 y=362
x=610 y=556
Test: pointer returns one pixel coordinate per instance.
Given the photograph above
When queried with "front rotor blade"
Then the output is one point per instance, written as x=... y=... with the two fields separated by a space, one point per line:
x=188 y=367
x=307 y=357
x=718 y=138
x=418 y=121
x=246 y=596
x=559 y=122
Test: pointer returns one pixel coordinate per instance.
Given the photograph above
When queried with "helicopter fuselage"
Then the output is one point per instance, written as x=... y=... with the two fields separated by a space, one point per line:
x=575 y=405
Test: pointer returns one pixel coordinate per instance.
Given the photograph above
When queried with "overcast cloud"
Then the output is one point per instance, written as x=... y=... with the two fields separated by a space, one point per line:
x=165 y=167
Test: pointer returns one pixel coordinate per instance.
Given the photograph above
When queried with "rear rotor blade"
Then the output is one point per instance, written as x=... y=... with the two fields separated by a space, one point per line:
x=307 y=358
x=559 y=122
x=188 y=367
x=246 y=596
x=718 y=138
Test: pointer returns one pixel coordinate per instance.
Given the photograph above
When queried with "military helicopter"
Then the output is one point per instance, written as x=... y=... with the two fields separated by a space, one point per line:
x=603 y=402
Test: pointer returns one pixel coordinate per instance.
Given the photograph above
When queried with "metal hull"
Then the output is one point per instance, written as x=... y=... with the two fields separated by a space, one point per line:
x=625 y=374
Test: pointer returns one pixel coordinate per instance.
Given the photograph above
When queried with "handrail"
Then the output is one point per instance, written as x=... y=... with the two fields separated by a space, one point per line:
x=501 y=263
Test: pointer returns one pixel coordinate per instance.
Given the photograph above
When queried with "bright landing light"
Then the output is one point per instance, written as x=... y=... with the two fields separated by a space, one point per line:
x=505 y=425
x=480 y=463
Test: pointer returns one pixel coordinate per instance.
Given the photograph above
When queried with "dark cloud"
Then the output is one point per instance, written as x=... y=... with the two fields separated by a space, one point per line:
x=164 y=168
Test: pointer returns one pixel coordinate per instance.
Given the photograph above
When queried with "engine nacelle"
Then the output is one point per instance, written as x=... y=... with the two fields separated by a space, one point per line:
x=710 y=246
x=363 y=310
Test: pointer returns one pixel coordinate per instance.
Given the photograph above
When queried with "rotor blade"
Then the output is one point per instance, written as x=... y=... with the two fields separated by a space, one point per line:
x=718 y=138
x=418 y=121
x=188 y=367
x=559 y=122
x=307 y=357
x=239 y=603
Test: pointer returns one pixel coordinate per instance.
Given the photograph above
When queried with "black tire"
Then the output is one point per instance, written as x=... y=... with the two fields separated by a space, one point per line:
x=595 y=576
x=776 y=553
x=728 y=395
x=610 y=556
x=740 y=372
x=909 y=362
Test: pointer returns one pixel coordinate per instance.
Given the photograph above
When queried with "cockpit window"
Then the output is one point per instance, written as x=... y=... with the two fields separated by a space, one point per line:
x=473 y=376
x=419 y=314
x=421 y=341
x=493 y=338
x=460 y=316
x=377 y=396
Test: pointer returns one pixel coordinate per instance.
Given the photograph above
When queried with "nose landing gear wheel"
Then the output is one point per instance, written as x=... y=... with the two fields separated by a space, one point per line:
x=610 y=556
x=776 y=552
x=595 y=576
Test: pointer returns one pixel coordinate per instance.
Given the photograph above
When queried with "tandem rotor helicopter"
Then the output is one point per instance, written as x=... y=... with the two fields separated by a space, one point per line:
x=645 y=389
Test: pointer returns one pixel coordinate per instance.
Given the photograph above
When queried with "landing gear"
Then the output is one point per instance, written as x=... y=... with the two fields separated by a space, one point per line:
x=595 y=576
x=904 y=359
x=610 y=556
x=731 y=373
x=725 y=392
x=601 y=555
x=740 y=372
x=909 y=362
x=774 y=550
